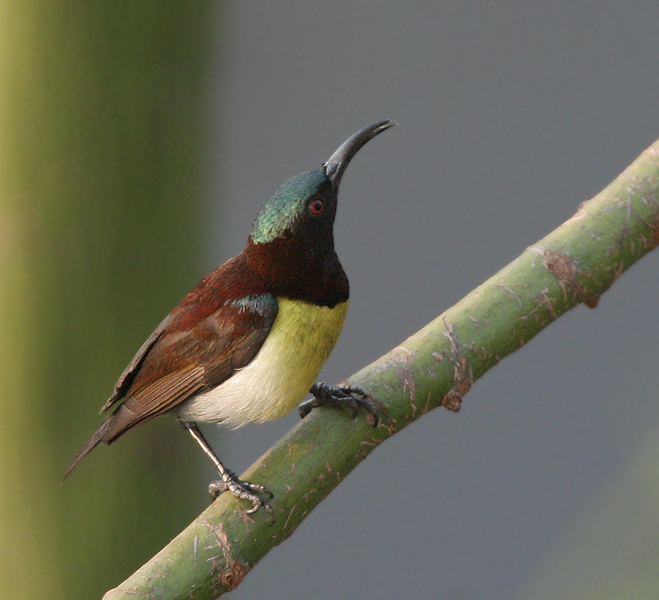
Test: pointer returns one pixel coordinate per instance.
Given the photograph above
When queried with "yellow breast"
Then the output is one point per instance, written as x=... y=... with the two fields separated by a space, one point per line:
x=281 y=374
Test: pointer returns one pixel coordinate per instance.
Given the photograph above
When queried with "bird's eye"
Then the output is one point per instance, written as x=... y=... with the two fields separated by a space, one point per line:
x=316 y=207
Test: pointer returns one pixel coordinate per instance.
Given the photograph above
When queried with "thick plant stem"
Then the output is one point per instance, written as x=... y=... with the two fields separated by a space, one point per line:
x=574 y=264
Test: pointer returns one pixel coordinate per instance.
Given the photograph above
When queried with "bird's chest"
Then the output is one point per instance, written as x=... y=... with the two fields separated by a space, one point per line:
x=286 y=366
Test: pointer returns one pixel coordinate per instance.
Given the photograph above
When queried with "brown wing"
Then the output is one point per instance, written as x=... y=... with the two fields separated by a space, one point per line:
x=180 y=363
x=183 y=357
x=126 y=378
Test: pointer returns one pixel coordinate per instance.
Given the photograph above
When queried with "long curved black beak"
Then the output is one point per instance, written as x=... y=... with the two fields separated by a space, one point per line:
x=337 y=163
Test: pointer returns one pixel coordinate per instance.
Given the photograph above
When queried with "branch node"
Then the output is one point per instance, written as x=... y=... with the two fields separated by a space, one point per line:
x=453 y=400
x=562 y=265
x=462 y=373
x=235 y=570
x=591 y=302
x=232 y=577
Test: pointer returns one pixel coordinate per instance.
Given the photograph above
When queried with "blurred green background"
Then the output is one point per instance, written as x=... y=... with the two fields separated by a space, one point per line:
x=103 y=119
x=138 y=140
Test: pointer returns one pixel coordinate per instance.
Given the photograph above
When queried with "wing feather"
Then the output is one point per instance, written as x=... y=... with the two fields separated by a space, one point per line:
x=126 y=378
x=175 y=364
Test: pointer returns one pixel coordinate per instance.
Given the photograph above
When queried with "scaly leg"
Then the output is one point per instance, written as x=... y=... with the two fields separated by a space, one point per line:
x=228 y=481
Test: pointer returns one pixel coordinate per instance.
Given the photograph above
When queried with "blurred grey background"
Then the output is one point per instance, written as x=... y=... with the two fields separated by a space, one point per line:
x=510 y=114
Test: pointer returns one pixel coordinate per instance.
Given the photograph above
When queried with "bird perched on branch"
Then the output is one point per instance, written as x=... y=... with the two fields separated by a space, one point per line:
x=246 y=345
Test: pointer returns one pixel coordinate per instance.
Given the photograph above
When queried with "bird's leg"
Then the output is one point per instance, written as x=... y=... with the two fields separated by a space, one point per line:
x=228 y=480
x=341 y=395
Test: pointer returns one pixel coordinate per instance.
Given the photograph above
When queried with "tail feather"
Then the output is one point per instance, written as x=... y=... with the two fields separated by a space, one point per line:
x=95 y=440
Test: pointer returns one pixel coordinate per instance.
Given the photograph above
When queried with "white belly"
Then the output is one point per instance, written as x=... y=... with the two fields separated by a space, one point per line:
x=281 y=374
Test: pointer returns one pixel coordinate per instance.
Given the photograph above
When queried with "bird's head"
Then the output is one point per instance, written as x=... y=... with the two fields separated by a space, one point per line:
x=305 y=206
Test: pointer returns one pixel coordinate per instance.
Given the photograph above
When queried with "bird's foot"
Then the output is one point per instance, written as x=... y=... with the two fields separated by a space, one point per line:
x=342 y=395
x=244 y=490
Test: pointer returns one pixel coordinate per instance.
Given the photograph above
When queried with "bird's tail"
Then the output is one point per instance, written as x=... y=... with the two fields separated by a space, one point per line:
x=95 y=440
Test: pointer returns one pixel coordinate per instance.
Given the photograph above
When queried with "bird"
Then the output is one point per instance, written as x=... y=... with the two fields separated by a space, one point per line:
x=247 y=343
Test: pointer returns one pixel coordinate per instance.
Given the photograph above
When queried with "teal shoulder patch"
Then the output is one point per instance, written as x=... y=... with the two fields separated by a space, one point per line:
x=264 y=305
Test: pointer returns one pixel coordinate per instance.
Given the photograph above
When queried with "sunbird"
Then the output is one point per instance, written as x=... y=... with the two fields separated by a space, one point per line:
x=246 y=344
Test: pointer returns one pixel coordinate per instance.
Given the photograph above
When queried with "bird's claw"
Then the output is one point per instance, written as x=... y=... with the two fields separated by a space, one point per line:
x=341 y=395
x=245 y=490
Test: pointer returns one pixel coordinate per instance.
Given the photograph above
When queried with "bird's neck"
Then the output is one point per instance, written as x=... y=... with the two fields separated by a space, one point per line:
x=310 y=274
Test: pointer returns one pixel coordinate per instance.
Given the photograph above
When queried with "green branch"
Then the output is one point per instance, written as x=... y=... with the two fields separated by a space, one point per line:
x=574 y=264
